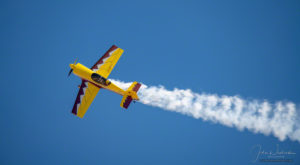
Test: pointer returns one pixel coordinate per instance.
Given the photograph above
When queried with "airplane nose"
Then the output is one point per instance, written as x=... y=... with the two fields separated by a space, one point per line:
x=72 y=66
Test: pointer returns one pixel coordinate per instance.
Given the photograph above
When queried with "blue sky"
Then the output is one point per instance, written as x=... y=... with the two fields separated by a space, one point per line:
x=245 y=48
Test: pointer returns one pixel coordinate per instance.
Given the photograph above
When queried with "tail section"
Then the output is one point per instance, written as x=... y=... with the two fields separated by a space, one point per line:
x=131 y=94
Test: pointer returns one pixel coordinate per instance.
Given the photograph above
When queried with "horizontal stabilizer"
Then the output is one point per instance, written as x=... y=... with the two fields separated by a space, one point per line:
x=126 y=102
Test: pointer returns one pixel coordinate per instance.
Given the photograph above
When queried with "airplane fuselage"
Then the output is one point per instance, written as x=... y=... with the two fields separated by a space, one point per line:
x=87 y=74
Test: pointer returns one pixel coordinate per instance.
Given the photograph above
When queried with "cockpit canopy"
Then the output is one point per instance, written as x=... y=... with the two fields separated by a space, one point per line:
x=99 y=79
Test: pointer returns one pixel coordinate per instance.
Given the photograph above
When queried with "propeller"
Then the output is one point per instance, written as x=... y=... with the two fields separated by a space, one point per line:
x=71 y=70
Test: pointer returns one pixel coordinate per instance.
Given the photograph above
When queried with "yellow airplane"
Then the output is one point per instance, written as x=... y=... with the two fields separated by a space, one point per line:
x=96 y=78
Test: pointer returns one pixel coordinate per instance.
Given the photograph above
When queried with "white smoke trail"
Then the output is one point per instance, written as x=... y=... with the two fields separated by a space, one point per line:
x=279 y=119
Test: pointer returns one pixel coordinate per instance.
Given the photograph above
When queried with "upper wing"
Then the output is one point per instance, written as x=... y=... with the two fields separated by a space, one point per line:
x=85 y=97
x=107 y=62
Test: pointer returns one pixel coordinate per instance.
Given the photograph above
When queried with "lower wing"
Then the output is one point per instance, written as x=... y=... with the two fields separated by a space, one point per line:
x=85 y=97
